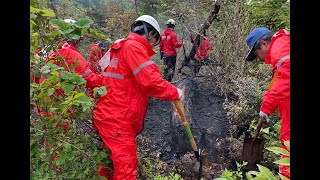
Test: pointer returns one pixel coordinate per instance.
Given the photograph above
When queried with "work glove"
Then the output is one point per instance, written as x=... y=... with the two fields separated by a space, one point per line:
x=161 y=54
x=264 y=116
x=179 y=92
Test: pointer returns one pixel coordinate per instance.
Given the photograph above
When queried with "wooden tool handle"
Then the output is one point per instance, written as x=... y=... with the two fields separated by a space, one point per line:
x=260 y=123
x=179 y=107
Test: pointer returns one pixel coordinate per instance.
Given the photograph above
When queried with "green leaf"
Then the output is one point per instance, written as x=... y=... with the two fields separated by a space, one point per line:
x=266 y=172
x=55 y=67
x=60 y=23
x=83 y=100
x=253 y=173
x=260 y=178
x=249 y=177
x=50 y=91
x=66 y=75
x=83 y=23
x=78 y=80
x=79 y=95
x=32 y=9
x=67 y=87
x=278 y=150
x=33 y=23
x=266 y=130
x=67 y=31
x=103 y=154
x=73 y=36
x=101 y=91
x=287 y=144
x=67 y=147
x=283 y=161
x=48 y=13
x=86 y=171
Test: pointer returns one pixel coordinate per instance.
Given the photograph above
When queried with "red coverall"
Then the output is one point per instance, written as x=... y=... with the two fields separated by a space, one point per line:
x=119 y=115
x=94 y=57
x=70 y=54
x=203 y=49
x=169 y=42
x=277 y=97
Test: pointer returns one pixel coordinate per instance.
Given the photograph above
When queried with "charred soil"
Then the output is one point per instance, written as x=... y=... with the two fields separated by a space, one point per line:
x=210 y=130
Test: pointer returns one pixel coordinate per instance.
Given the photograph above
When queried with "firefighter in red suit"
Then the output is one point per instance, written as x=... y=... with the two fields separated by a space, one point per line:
x=132 y=77
x=97 y=50
x=71 y=56
x=169 y=43
x=201 y=52
x=274 y=48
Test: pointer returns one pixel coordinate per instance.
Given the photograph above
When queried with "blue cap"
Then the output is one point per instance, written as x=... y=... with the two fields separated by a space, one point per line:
x=102 y=45
x=252 y=38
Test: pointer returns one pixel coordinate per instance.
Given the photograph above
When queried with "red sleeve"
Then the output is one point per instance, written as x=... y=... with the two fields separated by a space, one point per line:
x=161 y=44
x=279 y=92
x=148 y=75
x=174 y=40
x=93 y=80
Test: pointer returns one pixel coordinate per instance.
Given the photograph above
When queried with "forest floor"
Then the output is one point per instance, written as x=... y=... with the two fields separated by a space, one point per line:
x=210 y=130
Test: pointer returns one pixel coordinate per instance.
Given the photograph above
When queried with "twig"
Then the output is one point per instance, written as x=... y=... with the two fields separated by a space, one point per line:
x=73 y=146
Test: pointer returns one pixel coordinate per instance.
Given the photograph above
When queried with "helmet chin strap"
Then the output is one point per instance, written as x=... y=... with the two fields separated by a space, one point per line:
x=146 y=32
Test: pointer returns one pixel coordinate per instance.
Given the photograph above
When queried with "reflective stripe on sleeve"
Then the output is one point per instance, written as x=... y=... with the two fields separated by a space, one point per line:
x=117 y=76
x=86 y=73
x=135 y=72
x=282 y=60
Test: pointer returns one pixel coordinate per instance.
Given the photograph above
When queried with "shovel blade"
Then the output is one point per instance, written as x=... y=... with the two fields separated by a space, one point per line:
x=252 y=152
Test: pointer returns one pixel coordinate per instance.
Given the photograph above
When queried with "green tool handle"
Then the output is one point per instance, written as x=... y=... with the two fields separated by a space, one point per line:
x=179 y=107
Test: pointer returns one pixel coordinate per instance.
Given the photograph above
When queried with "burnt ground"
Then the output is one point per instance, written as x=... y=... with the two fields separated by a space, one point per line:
x=210 y=130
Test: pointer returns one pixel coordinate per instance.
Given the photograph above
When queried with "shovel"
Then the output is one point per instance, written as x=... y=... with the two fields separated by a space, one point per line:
x=197 y=152
x=252 y=151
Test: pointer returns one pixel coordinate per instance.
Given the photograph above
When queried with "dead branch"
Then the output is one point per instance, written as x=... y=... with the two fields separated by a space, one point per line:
x=205 y=25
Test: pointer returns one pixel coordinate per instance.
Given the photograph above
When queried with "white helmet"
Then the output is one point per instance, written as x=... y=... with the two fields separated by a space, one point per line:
x=171 y=21
x=69 y=20
x=150 y=20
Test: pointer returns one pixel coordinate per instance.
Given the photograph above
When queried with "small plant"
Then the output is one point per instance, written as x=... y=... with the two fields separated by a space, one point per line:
x=172 y=176
x=233 y=175
x=263 y=172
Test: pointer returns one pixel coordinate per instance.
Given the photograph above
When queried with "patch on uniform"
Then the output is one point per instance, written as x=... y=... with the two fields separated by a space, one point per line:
x=165 y=37
x=114 y=63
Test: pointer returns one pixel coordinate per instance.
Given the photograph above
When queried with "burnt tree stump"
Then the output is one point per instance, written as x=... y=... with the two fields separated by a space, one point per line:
x=180 y=143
